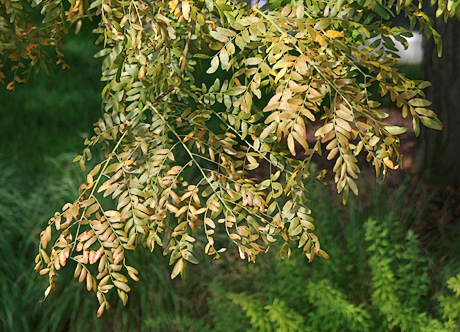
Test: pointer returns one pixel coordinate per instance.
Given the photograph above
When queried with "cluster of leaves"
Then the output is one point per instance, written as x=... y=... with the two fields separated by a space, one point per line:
x=180 y=146
x=450 y=8
x=169 y=305
x=24 y=44
x=395 y=296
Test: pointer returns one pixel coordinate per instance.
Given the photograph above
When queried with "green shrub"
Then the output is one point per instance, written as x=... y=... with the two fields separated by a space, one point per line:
x=390 y=292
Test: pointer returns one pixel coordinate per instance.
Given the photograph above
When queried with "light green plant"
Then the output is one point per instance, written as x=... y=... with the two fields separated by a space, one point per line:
x=275 y=317
x=451 y=304
x=389 y=303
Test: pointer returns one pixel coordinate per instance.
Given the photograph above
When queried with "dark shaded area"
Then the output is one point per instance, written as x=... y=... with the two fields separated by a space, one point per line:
x=49 y=115
x=438 y=155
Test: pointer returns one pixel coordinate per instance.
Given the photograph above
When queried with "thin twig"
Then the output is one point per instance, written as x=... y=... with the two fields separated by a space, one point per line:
x=187 y=45
x=164 y=94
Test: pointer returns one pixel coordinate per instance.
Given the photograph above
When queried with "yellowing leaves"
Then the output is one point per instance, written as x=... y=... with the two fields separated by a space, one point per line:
x=172 y=5
x=253 y=61
x=186 y=9
x=214 y=65
x=395 y=130
x=236 y=91
x=268 y=130
x=433 y=123
x=106 y=185
x=113 y=214
x=387 y=161
x=90 y=180
x=234 y=236
x=10 y=86
x=177 y=268
x=280 y=74
x=320 y=40
x=209 y=222
x=334 y=34
x=324 y=129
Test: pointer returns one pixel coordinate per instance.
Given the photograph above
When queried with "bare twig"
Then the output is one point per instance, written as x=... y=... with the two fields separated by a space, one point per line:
x=164 y=94
x=187 y=46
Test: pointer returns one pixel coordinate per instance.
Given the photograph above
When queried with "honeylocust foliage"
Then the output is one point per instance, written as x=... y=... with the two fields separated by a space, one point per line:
x=201 y=94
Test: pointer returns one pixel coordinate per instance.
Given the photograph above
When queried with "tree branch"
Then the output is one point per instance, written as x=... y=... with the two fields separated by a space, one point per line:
x=187 y=45
x=164 y=94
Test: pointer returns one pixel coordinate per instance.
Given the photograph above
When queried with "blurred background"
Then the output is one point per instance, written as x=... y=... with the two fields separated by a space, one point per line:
x=392 y=249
